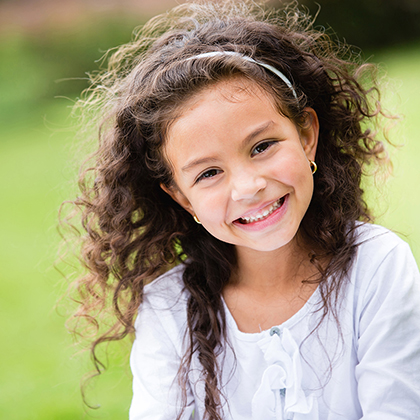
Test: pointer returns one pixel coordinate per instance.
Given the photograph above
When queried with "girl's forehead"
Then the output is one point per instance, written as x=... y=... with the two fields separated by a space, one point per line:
x=200 y=111
x=232 y=106
x=235 y=89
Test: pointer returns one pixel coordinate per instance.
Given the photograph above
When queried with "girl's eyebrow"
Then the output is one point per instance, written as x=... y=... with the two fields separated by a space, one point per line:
x=196 y=162
x=259 y=130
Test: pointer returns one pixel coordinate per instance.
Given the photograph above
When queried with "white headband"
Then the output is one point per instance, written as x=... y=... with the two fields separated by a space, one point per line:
x=245 y=57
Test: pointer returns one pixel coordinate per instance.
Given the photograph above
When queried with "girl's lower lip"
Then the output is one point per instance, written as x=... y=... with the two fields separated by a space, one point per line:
x=270 y=220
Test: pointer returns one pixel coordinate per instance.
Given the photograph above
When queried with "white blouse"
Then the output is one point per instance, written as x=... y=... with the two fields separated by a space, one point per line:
x=366 y=366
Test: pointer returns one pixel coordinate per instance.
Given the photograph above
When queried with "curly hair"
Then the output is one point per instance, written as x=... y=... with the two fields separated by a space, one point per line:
x=134 y=231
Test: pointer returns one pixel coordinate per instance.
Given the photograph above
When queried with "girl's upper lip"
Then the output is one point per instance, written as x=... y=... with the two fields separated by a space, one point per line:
x=256 y=210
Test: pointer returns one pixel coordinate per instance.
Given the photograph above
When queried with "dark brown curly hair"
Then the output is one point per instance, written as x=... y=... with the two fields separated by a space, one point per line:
x=134 y=231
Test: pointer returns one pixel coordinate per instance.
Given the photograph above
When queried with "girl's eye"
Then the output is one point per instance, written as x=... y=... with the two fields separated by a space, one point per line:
x=208 y=174
x=262 y=147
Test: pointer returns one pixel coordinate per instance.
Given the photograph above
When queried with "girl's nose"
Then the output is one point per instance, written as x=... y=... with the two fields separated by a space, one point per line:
x=246 y=186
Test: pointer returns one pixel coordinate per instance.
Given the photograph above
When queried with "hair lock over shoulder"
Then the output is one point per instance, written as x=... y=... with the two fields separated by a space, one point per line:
x=134 y=231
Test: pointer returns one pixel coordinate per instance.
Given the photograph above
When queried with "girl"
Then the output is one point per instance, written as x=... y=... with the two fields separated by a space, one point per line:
x=225 y=203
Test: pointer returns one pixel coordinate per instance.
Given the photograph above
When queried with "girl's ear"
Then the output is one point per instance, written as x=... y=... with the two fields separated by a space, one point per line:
x=177 y=196
x=309 y=133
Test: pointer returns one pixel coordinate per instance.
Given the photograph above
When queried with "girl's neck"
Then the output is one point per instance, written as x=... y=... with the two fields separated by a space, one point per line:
x=279 y=271
x=267 y=288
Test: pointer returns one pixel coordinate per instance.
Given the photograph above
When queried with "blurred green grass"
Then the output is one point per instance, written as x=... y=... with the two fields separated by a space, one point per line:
x=39 y=371
x=399 y=203
x=39 y=375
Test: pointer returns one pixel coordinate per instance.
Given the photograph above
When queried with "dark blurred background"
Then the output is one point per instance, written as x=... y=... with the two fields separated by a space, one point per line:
x=46 y=48
x=371 y=24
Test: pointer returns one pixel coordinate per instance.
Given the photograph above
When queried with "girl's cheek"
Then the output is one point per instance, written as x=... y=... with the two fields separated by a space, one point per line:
x=292 y=171
x=216 y=205
x=208 y=200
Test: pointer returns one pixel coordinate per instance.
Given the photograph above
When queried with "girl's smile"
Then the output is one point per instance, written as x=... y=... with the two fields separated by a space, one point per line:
x=264 y=217
x=240 y=166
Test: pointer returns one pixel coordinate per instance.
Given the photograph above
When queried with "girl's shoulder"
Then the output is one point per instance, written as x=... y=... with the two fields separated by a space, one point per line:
x=383 y=259
x=166 y=291
x=382 y=299
x=376 y=242
x=162 y=315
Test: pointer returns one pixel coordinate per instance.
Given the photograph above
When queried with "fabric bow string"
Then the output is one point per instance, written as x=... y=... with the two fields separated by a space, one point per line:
x=280 y=395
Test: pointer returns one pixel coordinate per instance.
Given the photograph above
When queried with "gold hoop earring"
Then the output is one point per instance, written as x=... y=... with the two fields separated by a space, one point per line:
x=196 y=219
x=313 y=166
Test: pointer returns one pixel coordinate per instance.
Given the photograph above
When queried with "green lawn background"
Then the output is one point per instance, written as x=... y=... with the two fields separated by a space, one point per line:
x=39 y=375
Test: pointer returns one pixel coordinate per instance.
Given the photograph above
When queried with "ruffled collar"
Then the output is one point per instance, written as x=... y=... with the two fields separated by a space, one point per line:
x=280 y=395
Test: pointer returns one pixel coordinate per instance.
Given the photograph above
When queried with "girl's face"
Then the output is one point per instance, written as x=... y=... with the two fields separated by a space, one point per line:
x=240 y=166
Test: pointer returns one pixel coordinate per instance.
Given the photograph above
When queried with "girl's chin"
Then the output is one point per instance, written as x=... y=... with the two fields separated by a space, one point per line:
x=274 y=242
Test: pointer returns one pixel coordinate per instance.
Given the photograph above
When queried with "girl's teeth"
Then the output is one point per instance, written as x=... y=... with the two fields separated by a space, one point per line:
x=275 y=206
